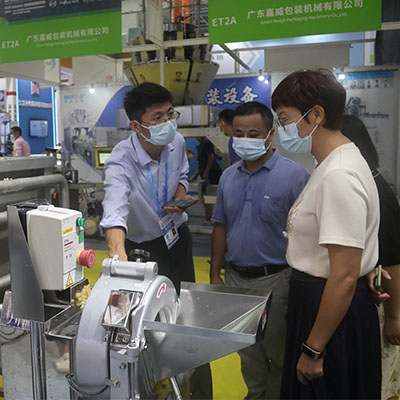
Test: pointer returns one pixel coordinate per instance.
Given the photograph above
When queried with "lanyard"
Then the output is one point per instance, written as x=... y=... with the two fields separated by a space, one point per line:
x=153 y=188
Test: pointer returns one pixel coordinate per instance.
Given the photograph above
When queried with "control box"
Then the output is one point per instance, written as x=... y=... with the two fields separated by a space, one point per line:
x=55 y=240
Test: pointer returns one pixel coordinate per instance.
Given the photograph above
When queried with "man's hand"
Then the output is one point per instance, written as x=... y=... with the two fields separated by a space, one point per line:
x=377 y=296
x=309 y=369
x=115 y=239
x=216 y=280
x=121 y=255
x=179 y=209
x=391 y=330
x=180 y=194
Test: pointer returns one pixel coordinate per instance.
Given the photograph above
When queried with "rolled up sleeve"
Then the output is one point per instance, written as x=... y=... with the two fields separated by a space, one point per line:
x=183 y=178
x=116 y=200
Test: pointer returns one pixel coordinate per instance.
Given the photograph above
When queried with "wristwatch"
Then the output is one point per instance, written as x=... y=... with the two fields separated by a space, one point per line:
x=310 y=352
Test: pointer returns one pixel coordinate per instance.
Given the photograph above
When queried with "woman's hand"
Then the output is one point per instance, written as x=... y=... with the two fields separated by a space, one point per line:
x=377 y=296
x=309 y=369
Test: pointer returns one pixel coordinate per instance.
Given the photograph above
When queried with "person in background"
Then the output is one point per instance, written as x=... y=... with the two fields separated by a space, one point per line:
x=333 y=338
x=389 y=258
x=21 y=147
x=225 y=123
x=253 y=201
x=142 y=174
x=209 y=171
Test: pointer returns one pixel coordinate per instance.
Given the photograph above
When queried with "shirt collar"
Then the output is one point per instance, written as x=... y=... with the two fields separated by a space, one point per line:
x=141 y=154
x=269 y=164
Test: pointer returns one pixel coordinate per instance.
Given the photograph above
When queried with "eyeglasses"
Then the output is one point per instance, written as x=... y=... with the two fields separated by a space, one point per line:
x=282 y=122
x=164 y=118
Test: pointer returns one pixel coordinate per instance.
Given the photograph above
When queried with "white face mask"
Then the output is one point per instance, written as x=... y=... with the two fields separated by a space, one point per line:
x=161 y=134
x=290 y=139
x=250 y=149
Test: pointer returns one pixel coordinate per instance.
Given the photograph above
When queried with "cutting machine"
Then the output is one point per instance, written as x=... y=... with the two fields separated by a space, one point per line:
x=118 y=340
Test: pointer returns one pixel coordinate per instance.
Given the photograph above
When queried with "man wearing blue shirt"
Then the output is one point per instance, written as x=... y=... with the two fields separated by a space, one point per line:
x=253 y=201
x=142 y=174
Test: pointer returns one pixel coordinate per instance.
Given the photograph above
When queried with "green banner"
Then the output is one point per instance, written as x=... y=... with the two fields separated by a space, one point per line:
x=237 y=21
x=59 y=36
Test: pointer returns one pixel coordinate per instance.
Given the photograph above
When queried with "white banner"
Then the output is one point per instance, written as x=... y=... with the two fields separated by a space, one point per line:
x=154 y=21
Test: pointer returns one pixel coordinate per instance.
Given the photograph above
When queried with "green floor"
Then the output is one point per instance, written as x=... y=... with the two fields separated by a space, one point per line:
x=227 y=380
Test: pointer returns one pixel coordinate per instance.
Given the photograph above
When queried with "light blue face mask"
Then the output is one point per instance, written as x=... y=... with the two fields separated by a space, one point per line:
x=250 y=149
x=290 y=139
x=161 y=134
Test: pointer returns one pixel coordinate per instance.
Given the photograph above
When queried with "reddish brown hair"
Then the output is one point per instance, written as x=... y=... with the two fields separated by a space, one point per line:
x=305 y=88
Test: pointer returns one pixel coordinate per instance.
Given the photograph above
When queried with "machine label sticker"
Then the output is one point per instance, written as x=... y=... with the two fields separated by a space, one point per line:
x=66 y=231
x=161 y=290
x=69 y=281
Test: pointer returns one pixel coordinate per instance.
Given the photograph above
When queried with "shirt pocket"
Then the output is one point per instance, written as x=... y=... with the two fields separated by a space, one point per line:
x=273 y=210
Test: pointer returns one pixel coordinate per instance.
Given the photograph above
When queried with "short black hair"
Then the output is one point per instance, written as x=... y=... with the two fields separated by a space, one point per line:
x=254 y=107
x=16 y=129
x=353 y=128
x=305 y=89
x=227 y=116
x=141 y=97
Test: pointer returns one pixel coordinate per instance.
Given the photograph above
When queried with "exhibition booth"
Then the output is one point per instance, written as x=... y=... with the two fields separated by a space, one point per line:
x=65 y=69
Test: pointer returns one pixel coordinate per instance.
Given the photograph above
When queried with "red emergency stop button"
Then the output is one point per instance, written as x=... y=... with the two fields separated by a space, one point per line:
x=86 y=258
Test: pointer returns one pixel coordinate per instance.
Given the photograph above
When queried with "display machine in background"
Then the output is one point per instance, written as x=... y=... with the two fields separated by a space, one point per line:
x=101 y=155
x=62 y=339
x=5 y=141
x=38 y=128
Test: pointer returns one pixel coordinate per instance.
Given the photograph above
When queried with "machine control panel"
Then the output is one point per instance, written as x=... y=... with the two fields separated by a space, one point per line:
x=55 y=237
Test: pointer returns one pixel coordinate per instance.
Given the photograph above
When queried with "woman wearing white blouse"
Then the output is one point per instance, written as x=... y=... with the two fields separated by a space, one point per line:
x=332 y=347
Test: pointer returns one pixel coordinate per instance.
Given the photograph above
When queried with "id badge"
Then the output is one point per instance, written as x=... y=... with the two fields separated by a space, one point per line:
x=169 y=230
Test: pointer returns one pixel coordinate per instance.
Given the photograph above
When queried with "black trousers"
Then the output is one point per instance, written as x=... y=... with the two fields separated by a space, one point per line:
x=176 y=263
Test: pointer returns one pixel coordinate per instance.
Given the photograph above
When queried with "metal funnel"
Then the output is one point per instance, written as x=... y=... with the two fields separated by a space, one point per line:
x=212 y=321
x=187 y=81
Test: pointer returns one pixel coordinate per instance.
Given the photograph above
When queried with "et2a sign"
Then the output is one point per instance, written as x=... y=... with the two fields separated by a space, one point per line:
x=223 y=21
x=238 y=21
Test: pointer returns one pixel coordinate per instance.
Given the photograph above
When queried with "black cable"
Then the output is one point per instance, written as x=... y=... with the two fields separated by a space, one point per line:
x=87 y=393
x=80 y=391
x=10 y=333
x=13 y=339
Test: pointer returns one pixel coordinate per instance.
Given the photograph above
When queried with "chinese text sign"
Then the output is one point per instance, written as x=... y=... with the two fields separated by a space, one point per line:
x=230 y=92
x=42 y=29
x=237 y=21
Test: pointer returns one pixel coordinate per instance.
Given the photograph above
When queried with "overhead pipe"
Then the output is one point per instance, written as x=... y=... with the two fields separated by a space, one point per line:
x=35 y=182
x=18 y=185
x=235 y=57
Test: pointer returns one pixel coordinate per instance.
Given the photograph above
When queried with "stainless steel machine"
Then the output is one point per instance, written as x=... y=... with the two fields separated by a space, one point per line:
x=60 y=340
